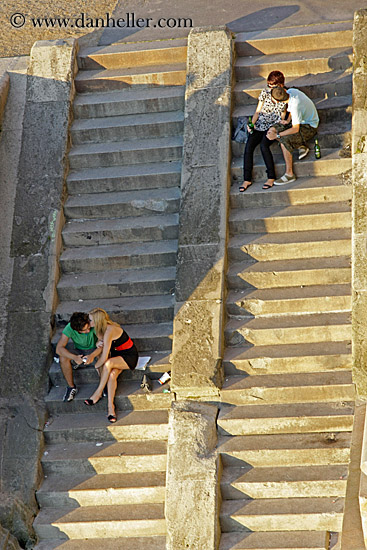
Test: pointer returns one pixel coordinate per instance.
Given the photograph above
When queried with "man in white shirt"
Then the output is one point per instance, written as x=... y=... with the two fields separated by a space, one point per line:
x=305 y=121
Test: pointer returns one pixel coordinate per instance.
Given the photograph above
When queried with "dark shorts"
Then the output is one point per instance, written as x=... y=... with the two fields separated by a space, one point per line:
x=130 y=356
x=295 y=141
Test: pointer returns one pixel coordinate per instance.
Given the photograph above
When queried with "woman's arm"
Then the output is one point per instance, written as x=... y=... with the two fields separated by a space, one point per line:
x=258 y=109
x=110 y=334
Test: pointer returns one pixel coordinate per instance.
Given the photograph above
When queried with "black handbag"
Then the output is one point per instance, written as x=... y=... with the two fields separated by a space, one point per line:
x=240 y=133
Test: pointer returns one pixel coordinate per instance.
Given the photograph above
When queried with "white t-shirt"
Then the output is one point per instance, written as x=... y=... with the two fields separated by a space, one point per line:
x=302 y=109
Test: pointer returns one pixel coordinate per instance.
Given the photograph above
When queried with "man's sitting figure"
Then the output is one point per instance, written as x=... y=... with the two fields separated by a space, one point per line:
x=82 y=351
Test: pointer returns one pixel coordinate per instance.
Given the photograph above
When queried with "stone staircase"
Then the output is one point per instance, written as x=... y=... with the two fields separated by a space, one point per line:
x=287 y=402
x=104 y=484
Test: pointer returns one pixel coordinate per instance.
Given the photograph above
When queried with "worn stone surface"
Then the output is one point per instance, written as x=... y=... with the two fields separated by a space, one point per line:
x=359 y=205
x=193 y=476
x=7 y=541
x=198 y=324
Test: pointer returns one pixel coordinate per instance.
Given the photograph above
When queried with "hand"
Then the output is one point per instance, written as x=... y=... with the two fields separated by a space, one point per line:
x=99 y=344
x=283 y=122
x=271 y=133
x=88 y=359
x=78 y=359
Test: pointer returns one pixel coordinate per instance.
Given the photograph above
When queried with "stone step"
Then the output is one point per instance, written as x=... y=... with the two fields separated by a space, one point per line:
x=98 y=521
x=138 y=54
x=294 y=63
x=286 y=418
x=280 y=540
x=313 y=85
x=291 y=245
x=129 y=396
x=130 y=543
x=281 y=450
x=331 y=110
x=130 y=102
x=326 y=166
x=125 y=310
x=277 y=219
x=123 y=204
x=148 y=337
x=102 y=490
x=288 y=388
x=287 y=514
x=135 y=255
x=119 y=153
x=286 y=273
x=289 y=329
x=106 y=457
x=83 y=427
x=292 y=300
x=127 y=127
x=104 y=80
x=157 y=175
x=124 y=230
x=308 y=37
x=305 y=190
x=117 y=283
x=159 y=363
x=283 y=482
x=291 y=358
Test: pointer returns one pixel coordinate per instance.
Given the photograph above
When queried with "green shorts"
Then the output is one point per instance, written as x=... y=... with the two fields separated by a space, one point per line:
x=295 y=141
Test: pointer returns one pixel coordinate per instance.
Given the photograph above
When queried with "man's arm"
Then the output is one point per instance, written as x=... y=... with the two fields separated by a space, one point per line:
x=272 y=133
x=63 y=352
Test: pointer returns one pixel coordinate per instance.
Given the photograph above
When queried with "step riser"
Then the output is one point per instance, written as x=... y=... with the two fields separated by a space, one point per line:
x=140 y=81
x=264 y=458
x=323 y=167
x=104 y=466
x=102 y=529
x=289 y=196
x=283 y=522
x=121 y=133
x=133 y=107
x=115 y=290
x=121 y=158
x=340 y=220
x=301 y=43
x=260 y=308
x=339 y=115
x=291 y=335
x=286 y=489
x=122 y=60
x=113 y=497
x=264 y=426
x=125 y=235
x=311 y=540
x=113 y=433
x=157 y=315
x=269 y=365
x=295 y=67
x=132 y=183
x=303 y=394
x=89 y=375
x=134 y=208
x=121 y=262
x=292 y=251
x=342 y=87
x=290 y=278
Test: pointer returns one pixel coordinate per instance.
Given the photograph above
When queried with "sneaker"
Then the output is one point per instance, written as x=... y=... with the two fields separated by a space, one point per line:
x=70 y=393
x=285 y=179
x=303 y=152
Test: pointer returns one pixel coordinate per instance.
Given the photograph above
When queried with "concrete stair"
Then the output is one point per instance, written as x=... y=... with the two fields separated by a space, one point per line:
x=104 y=484
x=288 y=399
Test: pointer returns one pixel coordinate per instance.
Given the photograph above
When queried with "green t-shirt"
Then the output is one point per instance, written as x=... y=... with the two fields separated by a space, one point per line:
x=81 y=340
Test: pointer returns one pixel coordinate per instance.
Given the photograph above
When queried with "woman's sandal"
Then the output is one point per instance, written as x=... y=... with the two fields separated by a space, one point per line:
x=267 y=186
x=242 y=189
x=89 y=402
x=112 y=418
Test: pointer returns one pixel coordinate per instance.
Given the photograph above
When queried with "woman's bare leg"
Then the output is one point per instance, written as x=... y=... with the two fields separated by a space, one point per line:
x=111 y=363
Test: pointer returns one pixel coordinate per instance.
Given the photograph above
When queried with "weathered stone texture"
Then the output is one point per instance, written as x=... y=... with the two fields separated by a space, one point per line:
x=198 y=325
x=193 y=477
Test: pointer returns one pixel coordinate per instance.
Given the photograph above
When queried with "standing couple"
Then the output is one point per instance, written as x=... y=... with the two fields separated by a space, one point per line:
x=96 y=335
x=288 y=116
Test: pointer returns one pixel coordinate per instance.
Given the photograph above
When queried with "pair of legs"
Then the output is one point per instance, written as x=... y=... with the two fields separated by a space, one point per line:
x=66 y=367
x=255 y=139
x=110 y=372
x=292 y=142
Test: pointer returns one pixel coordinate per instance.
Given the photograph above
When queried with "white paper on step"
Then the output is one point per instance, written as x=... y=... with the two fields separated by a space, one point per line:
x=142 y=363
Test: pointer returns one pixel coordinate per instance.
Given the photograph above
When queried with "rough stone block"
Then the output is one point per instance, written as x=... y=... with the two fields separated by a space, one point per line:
x=193 y=477
x=359 y=41
x=200 y=272
x=51 y=68
x=198 y=348
x=4 y=90
x=360 y=261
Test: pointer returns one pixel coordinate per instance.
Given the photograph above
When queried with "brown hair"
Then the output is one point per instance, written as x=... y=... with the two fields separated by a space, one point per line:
x=101 y=320
x=279 y=94
x=276 y=78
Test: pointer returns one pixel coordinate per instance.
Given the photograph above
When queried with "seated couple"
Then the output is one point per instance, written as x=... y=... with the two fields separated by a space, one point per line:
x=285 y=115
x=93 y=336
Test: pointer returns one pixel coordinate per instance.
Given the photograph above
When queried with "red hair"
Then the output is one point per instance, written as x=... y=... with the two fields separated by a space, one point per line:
x=276 y=78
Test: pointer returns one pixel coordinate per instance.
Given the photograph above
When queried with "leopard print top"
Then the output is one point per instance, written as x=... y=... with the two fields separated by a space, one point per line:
x=270 y=112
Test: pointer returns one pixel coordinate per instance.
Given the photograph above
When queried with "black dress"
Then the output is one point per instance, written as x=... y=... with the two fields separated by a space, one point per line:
x=124 y=347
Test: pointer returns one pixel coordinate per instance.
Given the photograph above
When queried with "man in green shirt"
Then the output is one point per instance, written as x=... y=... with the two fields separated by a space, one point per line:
x=83 y=351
